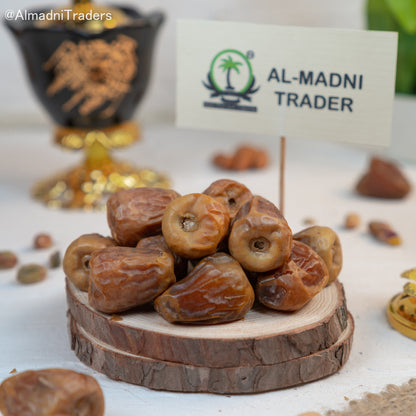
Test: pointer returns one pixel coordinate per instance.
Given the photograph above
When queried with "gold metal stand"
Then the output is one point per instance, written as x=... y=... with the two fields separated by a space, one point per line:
x=401 y=310
x=88 y=185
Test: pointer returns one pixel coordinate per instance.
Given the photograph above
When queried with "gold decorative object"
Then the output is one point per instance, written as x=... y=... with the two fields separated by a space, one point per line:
x=90 y=74
x=401 y=310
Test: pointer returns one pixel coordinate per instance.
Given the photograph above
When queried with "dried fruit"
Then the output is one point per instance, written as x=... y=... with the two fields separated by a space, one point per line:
x=384 y=233
x=55 y=260
x=245 y=157
x=42 y=241
x=51 y=392
x=124 y=277
x=230 y=193
x=7 y=260
x=383 y=180
x=260 y=238
x=325 y=242
x=193 y=225
x=31 y=273
x=158 y=242
x=352 y=220
x=77 y=258
x=216 y=291
x=136 y=213
x=292 y=285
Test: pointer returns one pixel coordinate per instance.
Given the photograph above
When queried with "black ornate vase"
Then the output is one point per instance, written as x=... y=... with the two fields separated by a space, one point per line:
x=91 y=82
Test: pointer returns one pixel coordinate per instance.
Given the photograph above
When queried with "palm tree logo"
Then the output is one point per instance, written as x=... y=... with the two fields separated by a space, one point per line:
x=229 y=65
x=231 y=79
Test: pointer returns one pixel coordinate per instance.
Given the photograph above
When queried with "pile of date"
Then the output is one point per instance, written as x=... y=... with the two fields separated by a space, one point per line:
x=201 y=258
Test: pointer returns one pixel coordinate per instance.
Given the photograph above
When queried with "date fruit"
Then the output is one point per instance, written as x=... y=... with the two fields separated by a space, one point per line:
x=292 y=285
x=158 y=242
x=216 y=291
x=77 y=258
x=136 y=213
x=51 y=392
x=193 y=225
x=384 y=179
x=124 y=277
x=230 y=193
x=260 y=238
x=325 y=242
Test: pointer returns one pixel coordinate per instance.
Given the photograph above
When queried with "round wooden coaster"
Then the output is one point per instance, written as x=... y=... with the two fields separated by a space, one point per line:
x=263 y=337
x=165 y=375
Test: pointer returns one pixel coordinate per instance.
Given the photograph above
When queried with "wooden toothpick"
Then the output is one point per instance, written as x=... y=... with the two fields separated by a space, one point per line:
x=282 y=173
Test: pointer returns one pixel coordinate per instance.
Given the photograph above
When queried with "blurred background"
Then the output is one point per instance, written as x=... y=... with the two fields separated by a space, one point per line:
x=19 y=105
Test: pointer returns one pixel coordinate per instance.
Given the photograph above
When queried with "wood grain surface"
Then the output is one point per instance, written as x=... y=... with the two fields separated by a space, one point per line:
x=263 y=337
x=165 y=375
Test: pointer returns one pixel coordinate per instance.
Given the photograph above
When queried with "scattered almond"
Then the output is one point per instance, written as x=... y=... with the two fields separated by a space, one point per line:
x=384 y=179
x=245 y=157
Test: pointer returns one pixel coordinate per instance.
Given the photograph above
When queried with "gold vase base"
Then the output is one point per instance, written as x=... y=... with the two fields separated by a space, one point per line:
x=88 y=188
x=401 y=314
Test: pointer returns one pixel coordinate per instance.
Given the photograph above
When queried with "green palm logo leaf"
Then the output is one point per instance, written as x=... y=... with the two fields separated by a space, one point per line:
x=229 y=65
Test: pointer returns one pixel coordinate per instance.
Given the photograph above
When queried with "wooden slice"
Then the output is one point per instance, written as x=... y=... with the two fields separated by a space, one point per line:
x=165 y=375
x=263 y=337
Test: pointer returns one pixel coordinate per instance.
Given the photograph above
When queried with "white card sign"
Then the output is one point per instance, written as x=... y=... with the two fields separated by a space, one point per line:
x=312 y=83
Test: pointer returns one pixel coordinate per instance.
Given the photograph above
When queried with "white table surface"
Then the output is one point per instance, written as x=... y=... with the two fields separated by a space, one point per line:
x=319 y=182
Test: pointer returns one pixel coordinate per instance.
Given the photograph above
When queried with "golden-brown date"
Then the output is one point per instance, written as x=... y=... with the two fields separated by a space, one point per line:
x=325 y=242
x=136 y=213
x=124 y=277
x=292 y=285
x=51 y=392
x=230 y=193
x=194 y=224
x=216 y=291
x=260 y=238
x=77 y=257
x=158 y=242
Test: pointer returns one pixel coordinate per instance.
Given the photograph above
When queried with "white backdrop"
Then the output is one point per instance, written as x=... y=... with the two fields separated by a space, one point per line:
x=18 y=104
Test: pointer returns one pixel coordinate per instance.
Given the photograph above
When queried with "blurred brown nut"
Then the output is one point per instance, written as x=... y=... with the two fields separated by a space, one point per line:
x=77 y=258
x=7 y=260
x=384 y=179
x=42 y=241
x=292 y=285
x=230 y=193
x=55 y=260
x=31 y=273
x=51 y=392
x=124 y=277
x=352 y=221
x=158 y=242
x=326 y=243
x=261 y=159
x=193 y=225
x=245 y=157
x=223 y=161
x=260 y=238
x=216 y=291
x=136 y=213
